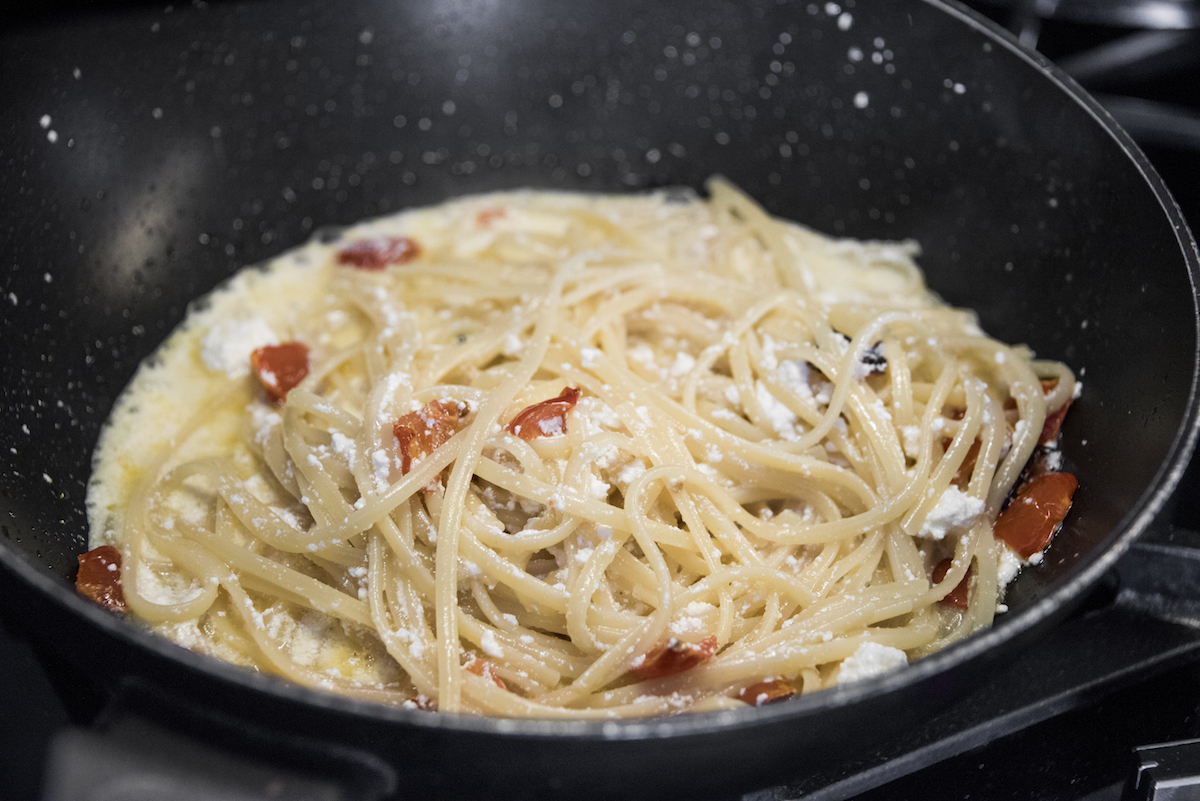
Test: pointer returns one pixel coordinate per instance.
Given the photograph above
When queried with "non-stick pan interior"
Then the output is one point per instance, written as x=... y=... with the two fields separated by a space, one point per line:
x=147 y=153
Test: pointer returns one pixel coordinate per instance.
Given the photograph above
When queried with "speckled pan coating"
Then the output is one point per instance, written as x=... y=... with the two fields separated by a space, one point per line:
x=146 y=154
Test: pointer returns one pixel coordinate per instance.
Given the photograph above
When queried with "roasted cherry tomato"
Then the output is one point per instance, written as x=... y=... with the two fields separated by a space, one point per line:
x=1054 y=419
x=957 y=597
x=545 y=419
x=767 y=692
x=674 y=657
x=422 y=432
x=1036 y=512
x=99 y=578
x=486 y=217
x=484 y=669
x=378 y=252
x=280 y=367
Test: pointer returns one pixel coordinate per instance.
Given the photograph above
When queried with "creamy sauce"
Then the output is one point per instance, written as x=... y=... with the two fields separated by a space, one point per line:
x=178 y=409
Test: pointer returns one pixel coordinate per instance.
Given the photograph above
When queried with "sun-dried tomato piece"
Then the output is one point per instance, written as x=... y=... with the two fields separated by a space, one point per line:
x=484 y=669
x=378 y=252
x=1053 y=423
x=957 y=597
x=99 y=578
x=422 y=432
x=545 y=419
x=674 y=657
x=767 y=692
x=1036 y=512
x=962 y=476
x=486 y=217
x=1054 y=419
x=280 y=367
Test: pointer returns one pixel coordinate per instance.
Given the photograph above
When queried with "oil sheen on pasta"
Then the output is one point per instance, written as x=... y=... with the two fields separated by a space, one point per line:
x=778 y=436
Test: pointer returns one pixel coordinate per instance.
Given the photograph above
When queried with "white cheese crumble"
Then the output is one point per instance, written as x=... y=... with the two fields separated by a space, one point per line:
x=228 y=345
x=595 y=487
x=596 y=416
x=643 y=355
x=869 y=660
x=955 y=509
x=631 y=472
x=489 y=645
x=687 y=624
x=382 y=466
x=1009 y=565
x=794 y=374
x=781 y=418
x=264 y=419
x=343 y=446
x=911 y=436
x=769 y=349
x=682 y=365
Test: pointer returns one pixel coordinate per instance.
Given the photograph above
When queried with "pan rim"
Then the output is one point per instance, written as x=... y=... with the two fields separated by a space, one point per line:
x=1136 y=520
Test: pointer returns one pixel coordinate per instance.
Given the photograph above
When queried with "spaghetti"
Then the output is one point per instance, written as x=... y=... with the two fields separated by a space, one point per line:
x=547 y=454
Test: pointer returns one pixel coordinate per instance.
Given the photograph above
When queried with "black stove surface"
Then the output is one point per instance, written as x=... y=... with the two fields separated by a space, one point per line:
x=1064 y=721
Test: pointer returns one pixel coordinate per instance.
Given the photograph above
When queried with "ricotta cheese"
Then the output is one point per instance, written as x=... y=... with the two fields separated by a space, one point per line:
x=869 y=660
x=955 y=509
x=228 y=345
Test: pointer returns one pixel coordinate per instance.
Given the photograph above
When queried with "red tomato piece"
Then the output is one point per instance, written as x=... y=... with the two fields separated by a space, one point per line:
x=1036 y=512
x=962 y=476
x=545 y=419
x=422 y=432
x=378 y=252
x=674 y=657
x=280 y=367
x=1053 y=419
x=767 y=692
x=99 y=578
x=485 y=217
x=1053 y=423
x=957 y=597
x=484 y=669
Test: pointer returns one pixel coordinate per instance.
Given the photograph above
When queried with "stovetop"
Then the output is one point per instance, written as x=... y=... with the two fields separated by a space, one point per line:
x=1063 y=721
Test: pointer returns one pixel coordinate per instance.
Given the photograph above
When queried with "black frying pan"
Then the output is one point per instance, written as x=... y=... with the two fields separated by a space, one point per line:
x=146 y=154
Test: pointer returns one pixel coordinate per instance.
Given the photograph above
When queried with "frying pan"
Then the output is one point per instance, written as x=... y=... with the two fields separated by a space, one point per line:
x=146 y=154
